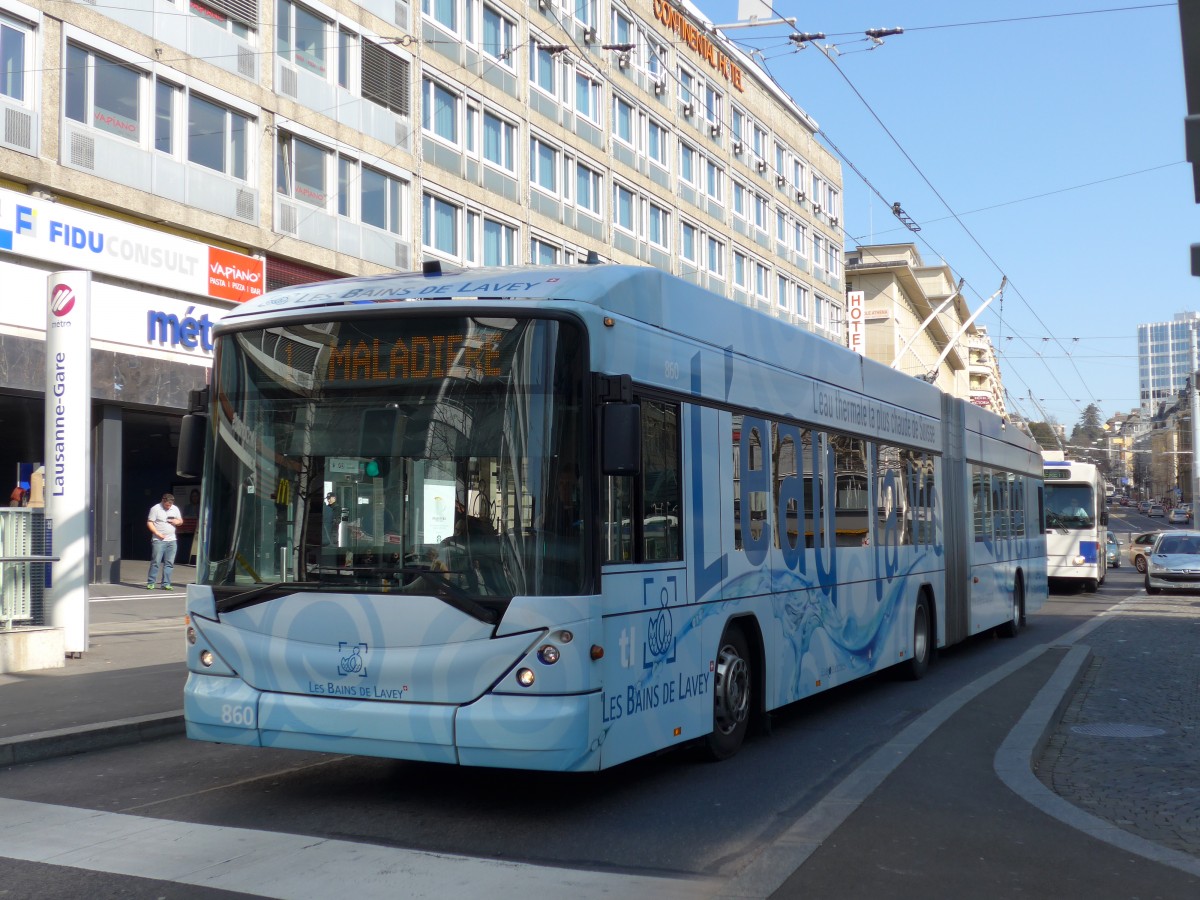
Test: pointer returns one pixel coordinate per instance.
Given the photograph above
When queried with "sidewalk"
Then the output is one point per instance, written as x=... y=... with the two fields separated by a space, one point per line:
x=1077 y=757
x=127 y=687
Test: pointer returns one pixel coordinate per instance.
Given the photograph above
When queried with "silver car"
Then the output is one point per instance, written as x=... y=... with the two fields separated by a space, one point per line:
x=1174 y=562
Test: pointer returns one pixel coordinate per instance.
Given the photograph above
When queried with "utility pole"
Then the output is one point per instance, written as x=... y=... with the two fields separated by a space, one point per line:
x=1195 y=429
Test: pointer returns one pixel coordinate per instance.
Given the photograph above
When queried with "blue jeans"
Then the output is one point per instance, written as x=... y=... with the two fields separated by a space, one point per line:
x=161 y=552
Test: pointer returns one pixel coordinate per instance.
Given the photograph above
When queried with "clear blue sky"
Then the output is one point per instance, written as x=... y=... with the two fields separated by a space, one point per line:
x=1058 y=141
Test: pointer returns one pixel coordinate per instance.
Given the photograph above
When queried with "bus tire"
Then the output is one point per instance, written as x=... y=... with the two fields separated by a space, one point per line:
x=1012 y=627
x=732 y=702
x=1090 y=586
x=922 y=644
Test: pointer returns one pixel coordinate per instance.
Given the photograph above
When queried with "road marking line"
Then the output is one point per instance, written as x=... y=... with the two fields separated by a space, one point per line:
x=287 y=866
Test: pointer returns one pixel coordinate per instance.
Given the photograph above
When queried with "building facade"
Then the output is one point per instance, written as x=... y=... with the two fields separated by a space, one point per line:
x=913 y=314
x=1165 y=359
x=192 y=153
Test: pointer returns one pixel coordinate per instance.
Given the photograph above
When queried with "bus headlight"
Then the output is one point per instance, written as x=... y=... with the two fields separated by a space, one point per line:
x=548 y=654
x=206 y=658
x=191 y=634
x=1079 y=560
x=525 y=677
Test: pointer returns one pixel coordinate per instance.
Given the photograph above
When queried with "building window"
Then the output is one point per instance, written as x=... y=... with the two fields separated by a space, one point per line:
x=687 y=85
x=166 y=99
x=656 y=143
x=102 y=93
x=802 y=301
x=13 y=74
x=543 y=69
x=588 y=187
x=499 y=242
x=444 y=12
x=543 y=165
x=714 y=180
x=587 y=96
x=715 y=257
x=242 y=26
x=712 y=105
x=439 y=111
x=385 y=78
x=623 y=120
x=217 y=137
x=499 y=142
x=543 y=253
x=687 y=242
x=301 y=171
x=740 y=206
x=440 y=223
x=739 y=125
x=660 y=225
x=499 y=35
x=301 y=37
x=383 y=200
x=740 y=268
x=688 y=164
x=623 y=208
x=760 y=212
x=781 y=291
x=761 y=287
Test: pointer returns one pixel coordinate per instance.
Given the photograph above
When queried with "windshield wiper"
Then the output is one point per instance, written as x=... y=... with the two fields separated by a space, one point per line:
x=259 y=594
x=453 y=594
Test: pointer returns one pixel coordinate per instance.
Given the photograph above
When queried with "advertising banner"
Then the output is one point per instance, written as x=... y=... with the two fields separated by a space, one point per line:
x=67 y=449
x=45 y=230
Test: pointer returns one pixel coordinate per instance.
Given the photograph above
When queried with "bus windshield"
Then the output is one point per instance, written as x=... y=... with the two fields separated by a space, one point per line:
x=1070 y=505
x=438 y=456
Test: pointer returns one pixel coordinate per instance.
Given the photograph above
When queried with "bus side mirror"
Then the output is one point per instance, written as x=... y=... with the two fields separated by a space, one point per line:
x=189 y=461
x=621 y=439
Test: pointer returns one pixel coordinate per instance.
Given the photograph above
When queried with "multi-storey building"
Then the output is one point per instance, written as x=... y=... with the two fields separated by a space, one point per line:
x=1165 y=359
x=913 y=314
x=985 y=387
x=191 y=153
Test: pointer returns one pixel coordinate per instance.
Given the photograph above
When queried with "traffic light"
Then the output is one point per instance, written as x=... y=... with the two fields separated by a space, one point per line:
x=381 y=436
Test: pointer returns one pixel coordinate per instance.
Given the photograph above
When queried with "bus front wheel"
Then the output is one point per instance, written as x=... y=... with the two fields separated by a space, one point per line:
x=731 y=695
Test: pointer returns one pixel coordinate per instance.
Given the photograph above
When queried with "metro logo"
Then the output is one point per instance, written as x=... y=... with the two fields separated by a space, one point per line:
x=62 y=300
x=234 y=276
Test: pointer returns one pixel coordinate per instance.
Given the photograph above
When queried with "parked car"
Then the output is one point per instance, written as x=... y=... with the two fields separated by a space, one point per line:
x=1113 y=547
x=1174 y=562
x=1143 y=506
x=1156 y=511
x=1179 y=516
x=1139 y=547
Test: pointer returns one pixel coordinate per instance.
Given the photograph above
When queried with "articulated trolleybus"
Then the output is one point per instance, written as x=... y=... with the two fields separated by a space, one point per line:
x=1076 y=521
x=558 y=518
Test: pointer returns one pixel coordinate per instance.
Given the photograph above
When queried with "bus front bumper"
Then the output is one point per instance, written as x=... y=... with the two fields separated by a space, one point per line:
x=552 y=733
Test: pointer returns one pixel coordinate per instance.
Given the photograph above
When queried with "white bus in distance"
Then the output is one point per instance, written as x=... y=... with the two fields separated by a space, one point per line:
x=590 y=513
x=1076 y=522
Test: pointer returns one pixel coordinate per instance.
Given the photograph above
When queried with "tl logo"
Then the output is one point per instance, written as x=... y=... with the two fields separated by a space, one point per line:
x=351 y=659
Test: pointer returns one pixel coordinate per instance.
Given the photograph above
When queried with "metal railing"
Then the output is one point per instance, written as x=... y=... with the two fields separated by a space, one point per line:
x=25 y=548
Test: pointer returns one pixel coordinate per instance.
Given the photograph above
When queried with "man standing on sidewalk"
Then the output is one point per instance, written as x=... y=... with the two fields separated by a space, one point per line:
x=163 y=519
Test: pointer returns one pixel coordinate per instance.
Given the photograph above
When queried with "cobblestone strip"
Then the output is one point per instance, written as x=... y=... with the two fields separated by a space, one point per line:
x=1145 y=672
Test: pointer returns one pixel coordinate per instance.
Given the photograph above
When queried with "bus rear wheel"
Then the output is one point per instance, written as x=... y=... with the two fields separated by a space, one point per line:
x=1010 y=628
x=731 y=695
x=922 y=643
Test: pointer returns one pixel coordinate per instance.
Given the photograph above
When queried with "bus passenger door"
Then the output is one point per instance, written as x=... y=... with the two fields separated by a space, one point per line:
x=656 y=687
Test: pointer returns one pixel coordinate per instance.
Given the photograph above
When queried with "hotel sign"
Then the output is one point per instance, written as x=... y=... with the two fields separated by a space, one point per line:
x=699 y=41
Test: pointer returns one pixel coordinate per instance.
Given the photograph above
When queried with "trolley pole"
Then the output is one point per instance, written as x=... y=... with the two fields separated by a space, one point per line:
x=1195 y=433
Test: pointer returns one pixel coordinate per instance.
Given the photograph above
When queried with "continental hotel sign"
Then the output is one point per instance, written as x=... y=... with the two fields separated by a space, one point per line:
x=698 y=41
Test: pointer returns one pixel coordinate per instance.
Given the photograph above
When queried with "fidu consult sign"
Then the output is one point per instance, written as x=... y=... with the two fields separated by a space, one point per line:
x=68 y=426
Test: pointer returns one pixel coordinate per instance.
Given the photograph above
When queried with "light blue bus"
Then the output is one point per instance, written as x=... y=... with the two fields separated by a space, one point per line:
x=559 y=518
